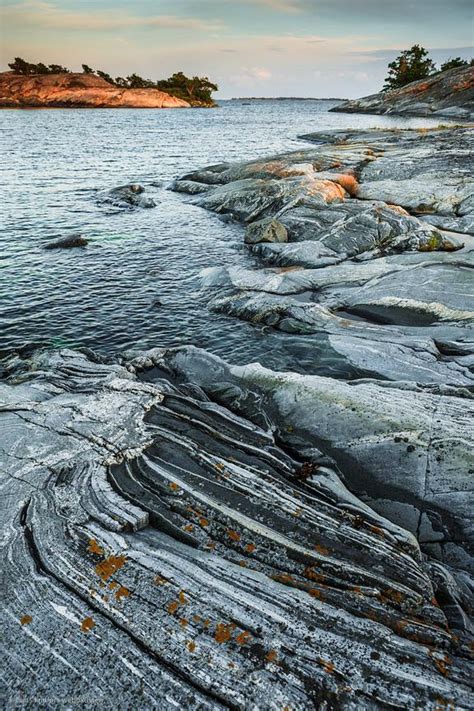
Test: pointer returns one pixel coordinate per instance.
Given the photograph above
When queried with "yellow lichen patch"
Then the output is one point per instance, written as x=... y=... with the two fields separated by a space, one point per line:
x=173 y=486
x=183 y=622
x=189 y=527
x=206 y=623
x=197 y=618
x=94 y=547
x=322 y=550
x=220 y=467
x=290 y=428
x=87 y=624
x=327 y=666
x=172 y=607
x=26 y=619
x=113 y=584
x=109 y=566
x=298 y=511
x=243 y=563
x=203 y=521
x=223 y=633
x=211 y=545
x=243 y=638
x=271 y=656
x=191 y=646
x=159 y=580
x=233 y=535
x=122 y=592
x=250 y=548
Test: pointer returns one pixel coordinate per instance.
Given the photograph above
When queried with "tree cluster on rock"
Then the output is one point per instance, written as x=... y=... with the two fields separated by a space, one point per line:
x=193 y=89
x=414 y=64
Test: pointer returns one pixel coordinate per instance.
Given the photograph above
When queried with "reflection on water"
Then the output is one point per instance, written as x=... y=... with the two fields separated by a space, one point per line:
x=135 y=285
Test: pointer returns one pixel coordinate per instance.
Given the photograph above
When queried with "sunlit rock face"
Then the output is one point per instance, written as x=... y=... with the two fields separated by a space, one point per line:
x=447 y=94
x=79 y=90
x=176 y=533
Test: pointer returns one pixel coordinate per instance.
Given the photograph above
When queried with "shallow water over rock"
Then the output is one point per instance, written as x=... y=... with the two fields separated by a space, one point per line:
x=135 y=283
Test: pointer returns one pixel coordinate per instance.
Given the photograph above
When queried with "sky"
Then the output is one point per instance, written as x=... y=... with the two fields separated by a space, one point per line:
x=318 y=48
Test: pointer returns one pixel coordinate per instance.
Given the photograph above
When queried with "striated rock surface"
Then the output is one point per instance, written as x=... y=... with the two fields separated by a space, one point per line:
x=447 y=94
x=80 y=91
x=163 y=550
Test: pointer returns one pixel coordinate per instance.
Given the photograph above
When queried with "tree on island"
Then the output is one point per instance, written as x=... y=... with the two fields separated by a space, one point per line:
x=86 y=69
x=456 y=62
x=412 y=64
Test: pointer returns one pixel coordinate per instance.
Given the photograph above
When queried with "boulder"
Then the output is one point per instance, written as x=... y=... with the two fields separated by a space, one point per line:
x=266 y=230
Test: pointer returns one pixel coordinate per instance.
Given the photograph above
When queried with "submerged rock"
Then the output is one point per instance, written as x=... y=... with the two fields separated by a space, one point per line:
x=149 y=526
x=67 y=242
x=127 y=196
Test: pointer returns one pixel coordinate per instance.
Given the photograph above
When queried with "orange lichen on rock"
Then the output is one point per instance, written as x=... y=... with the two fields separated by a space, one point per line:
x=172 y=607
x=442 y=664
x=109 y=566
x=316 y=593
x=189 y=527
x=203 y=521
x=327 y=189
x=223 y=633
x=271 y=656
x=311 y=574
x=87 y=624
x=284 y=578
x=191 y=646
x=122 y=592
x=182 y=598
x=243 y=638
x=26 y=619
x=233 y=535
x=250 y=548
x=348 y=182
x=327 y=666
x=322 y=550
x=183 y=622
x=173 y=486
x=94 y=547
x=159 y=580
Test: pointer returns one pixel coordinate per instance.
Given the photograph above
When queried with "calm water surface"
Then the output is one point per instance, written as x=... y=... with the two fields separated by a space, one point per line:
x=105 y=296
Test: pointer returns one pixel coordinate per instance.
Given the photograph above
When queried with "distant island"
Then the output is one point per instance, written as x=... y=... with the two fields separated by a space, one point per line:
x=286 y=98
x=40 y=85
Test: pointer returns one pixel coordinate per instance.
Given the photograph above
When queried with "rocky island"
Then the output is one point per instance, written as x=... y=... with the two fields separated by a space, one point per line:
x=448 y=94
x=78 y=91
x=223 y=536
x=36 y=85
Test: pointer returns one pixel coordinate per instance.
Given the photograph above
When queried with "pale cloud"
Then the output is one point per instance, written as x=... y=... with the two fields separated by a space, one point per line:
x=47 y=15
x=278 y=5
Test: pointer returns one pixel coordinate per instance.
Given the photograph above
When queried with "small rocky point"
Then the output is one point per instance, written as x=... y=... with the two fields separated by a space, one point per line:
x=79 y=91
x=448 y=94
